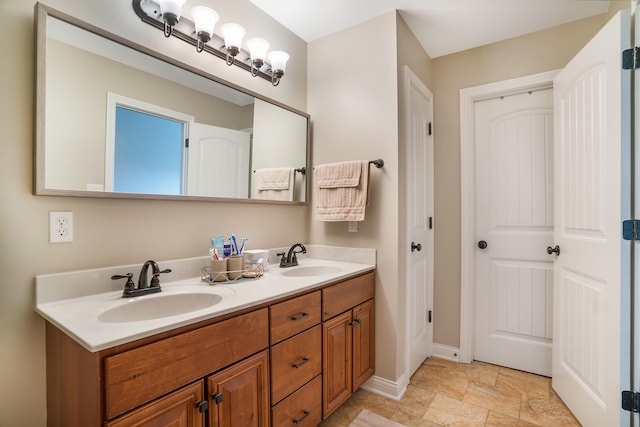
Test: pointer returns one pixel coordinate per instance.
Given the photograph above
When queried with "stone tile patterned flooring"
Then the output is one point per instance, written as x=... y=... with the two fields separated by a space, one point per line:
x=445 y=393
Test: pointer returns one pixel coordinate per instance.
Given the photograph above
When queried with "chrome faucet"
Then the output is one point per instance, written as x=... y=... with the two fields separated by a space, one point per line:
x=289 y=259
x=143 y=288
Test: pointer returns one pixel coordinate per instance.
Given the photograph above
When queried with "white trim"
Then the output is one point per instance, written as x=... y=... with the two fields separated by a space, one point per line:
x=446 y=352
x=383 y=387
x=114 y=100
x=468 y=97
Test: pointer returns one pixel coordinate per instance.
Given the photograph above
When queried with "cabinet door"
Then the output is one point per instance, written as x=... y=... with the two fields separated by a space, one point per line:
x=176 y=409
x=363 y=343
x=240 y=394
x=336 y=362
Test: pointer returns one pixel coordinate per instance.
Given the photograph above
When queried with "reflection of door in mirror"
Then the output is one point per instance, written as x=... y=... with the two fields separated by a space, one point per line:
x=218 y=162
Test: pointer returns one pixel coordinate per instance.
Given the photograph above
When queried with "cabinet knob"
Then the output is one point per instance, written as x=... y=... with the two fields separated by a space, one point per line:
x=202 y=406
x=217 y=397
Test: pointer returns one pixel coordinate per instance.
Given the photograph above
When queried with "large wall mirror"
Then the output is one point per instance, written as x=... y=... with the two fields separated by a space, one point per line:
x=115 y=119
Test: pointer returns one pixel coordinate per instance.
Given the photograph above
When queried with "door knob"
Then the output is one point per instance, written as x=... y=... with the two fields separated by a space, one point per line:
x=482 y=244
x=416 y=247
x=555 y=250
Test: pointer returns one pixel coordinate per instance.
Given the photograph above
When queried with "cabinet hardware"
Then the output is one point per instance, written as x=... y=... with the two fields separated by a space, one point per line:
x=301 y=419
x=297 y=365
x=202 y=406
x=355 y=322
x=299 y=316
x=217 y=397
x=631 y=401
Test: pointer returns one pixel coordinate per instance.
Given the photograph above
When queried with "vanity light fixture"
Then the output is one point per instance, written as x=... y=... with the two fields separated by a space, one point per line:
x=205 y=20
x=232 y=34
x=278 y=61
x=170 y=10
x=258 y=53
x=165 y=15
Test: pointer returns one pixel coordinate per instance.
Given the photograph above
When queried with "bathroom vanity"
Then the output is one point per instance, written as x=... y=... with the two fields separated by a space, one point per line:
x=292 y=351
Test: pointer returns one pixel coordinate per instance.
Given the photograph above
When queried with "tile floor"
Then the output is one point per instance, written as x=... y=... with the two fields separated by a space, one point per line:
x=445 y=393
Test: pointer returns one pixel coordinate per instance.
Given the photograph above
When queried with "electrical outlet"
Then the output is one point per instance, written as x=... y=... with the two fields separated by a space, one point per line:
x=60 y=227
x=353 y=227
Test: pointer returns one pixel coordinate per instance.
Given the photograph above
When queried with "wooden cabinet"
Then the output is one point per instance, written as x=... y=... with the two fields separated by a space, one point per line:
x=239 y=395
x=348 y=339
x=262 y=366
x=180 y=408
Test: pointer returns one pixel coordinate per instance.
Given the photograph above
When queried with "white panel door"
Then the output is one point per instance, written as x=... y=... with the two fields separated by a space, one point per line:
x=591 y=140
x=514 y=226
x=218 y=162
x=420 y=185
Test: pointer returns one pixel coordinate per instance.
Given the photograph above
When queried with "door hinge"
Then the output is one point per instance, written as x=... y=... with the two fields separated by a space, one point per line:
x=631 y=401
x=430 y=223
x=430 y=315
x=430 y=128
x=186 y=143
x=631 y=229
x=631 y=58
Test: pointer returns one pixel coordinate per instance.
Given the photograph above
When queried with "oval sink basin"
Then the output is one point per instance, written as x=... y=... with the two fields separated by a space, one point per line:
x=158 y=307
x=310 y=270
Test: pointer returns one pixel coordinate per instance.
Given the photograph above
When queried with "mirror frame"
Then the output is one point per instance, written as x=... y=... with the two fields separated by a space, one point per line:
x=42 y=12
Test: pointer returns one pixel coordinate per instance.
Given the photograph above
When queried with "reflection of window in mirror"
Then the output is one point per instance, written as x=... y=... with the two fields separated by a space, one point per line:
x=148 y=153
x=145 y=147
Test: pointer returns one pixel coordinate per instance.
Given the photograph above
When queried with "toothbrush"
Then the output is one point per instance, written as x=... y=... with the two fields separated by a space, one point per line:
x=215 y=254
x=243 y=240
x=235 y=243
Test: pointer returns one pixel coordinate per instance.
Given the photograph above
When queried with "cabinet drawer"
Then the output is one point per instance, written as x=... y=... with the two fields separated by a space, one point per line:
x=302 y=408
x=142 y=374
x=294 y=362
x=346 y=295
x=294 y=316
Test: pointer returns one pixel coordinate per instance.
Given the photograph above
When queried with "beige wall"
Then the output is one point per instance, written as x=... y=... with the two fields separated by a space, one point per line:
x=355 y=104
x=353 y=107
x=530 y=54
x=108 y=232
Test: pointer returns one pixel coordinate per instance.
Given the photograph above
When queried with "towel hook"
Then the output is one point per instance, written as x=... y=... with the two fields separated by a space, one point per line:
x=302 y=170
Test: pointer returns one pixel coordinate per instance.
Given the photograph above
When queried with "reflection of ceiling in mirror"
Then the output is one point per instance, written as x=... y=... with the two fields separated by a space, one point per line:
x=95 y=44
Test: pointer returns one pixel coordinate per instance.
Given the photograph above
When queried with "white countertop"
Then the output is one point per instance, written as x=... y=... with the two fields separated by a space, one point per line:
x=78 y=316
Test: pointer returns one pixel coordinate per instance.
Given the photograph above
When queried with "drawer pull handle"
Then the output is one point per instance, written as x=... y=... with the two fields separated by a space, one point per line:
x=297 y=365
x=299 y=420
x=299 y=316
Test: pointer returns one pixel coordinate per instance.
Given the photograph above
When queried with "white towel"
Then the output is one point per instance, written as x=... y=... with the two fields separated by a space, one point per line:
x=341 y=191
x=274 y=184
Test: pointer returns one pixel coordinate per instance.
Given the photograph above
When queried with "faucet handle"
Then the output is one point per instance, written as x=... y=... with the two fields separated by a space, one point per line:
x=155 y=281
x=129 y=286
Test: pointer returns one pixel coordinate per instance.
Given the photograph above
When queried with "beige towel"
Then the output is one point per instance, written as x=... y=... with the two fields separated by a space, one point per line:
x=341 y=191
x=274 y=184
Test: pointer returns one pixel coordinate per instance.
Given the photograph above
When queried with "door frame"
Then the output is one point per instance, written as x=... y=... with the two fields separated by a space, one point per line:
x=468 y=98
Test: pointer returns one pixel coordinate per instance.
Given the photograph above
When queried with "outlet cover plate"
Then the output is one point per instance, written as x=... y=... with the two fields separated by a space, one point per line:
x=60 y=227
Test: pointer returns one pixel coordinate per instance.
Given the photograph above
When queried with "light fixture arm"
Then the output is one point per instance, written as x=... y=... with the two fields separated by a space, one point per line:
x=183 y=30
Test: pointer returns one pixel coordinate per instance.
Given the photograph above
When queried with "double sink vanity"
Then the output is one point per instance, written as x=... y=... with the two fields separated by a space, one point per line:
x=287 y=348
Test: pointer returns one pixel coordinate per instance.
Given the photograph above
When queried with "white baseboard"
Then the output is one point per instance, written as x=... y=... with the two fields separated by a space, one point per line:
x=392 y=390
x=446 y=352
